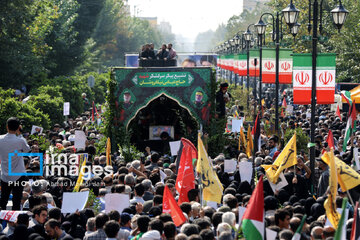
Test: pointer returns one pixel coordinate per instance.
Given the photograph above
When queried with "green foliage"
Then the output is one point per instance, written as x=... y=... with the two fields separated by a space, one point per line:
x=24 y=24
x=50 y=101
x=129 y=153
x=302 y=139
x=240 y=93
x=43 y=142
x=98 y=92
x=12 y=107
x=93 y=202
x=65 y=51
x=114 y=128
x=216 y=141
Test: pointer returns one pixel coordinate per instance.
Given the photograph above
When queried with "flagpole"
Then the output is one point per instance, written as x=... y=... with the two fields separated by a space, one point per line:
x=352 y=202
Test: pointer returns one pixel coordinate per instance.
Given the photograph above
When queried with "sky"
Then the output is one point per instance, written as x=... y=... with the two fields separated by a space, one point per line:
x=188 y=17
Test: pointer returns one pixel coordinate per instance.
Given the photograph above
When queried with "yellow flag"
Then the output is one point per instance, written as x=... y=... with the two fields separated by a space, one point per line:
x=250 y=145
x=286 y=159
x=80 y=179
x=330 y=202
x=347 y=177
x=242 y=137
x=212 y=187
x=108 y=152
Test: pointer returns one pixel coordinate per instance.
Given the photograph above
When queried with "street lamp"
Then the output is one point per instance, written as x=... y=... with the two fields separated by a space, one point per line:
x=247 y=36
x=339 y=14
x=290 y=13
x=260 y=29
x=295 y=29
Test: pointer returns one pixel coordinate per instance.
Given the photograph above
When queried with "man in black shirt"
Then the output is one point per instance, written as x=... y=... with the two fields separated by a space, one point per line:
x=222 y=97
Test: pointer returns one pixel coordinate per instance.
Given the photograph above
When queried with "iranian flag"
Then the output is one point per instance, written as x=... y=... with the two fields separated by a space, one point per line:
x=236 y=64
x=242 y=64
x=285 y=66
x=268 y=66
x=254 y=66
x=231 y=62
x=350 y=125
x=218 y=61
x=302 y=78
x=325 y=78
x=253 y=219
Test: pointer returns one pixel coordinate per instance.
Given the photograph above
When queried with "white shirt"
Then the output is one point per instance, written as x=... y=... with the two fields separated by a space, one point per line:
x=136 y=200
x=8 y=144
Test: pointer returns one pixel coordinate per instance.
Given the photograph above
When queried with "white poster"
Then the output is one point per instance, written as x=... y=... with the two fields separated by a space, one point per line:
x=66 y=108
x=116 y=201
x=73 y=201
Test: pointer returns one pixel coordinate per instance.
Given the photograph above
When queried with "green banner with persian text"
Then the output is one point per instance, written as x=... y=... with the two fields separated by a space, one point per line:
x=163 y=79
x=137 y=87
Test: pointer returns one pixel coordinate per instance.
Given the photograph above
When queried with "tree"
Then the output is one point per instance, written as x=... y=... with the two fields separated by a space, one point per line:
x=50 y=101
x=65 y=51
x=27 y=113
x=24 y=25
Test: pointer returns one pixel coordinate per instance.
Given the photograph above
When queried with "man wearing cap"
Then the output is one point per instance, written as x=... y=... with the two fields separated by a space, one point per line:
x=222 y=97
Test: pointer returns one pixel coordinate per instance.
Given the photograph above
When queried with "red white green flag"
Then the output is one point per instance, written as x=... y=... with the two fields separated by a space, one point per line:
x=285 y=66
x=242 y=64
x=350 y=125
x=254 y=66
x=325 y=78
x=268 y=66
x=253 y=219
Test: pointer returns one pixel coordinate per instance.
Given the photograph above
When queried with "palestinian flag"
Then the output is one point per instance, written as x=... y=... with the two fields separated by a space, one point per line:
x=350 y=125
x=253 y=219
x=346 y=95
x=355 y=230
x=297 y=235
x=340 y=233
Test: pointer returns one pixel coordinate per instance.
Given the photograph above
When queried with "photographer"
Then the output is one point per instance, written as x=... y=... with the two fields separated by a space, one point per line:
x=9 y=143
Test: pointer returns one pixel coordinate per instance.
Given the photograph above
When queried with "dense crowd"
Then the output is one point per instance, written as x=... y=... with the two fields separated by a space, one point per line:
x=142 y=180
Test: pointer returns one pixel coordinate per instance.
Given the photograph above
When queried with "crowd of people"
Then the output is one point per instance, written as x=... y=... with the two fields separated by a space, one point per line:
x=166 y=52
x=143 y=181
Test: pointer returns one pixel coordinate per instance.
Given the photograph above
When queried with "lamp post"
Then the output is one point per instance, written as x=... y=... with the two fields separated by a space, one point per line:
x=247 y=36
x=339 y=14
x=291 y=14
x=260 y=29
